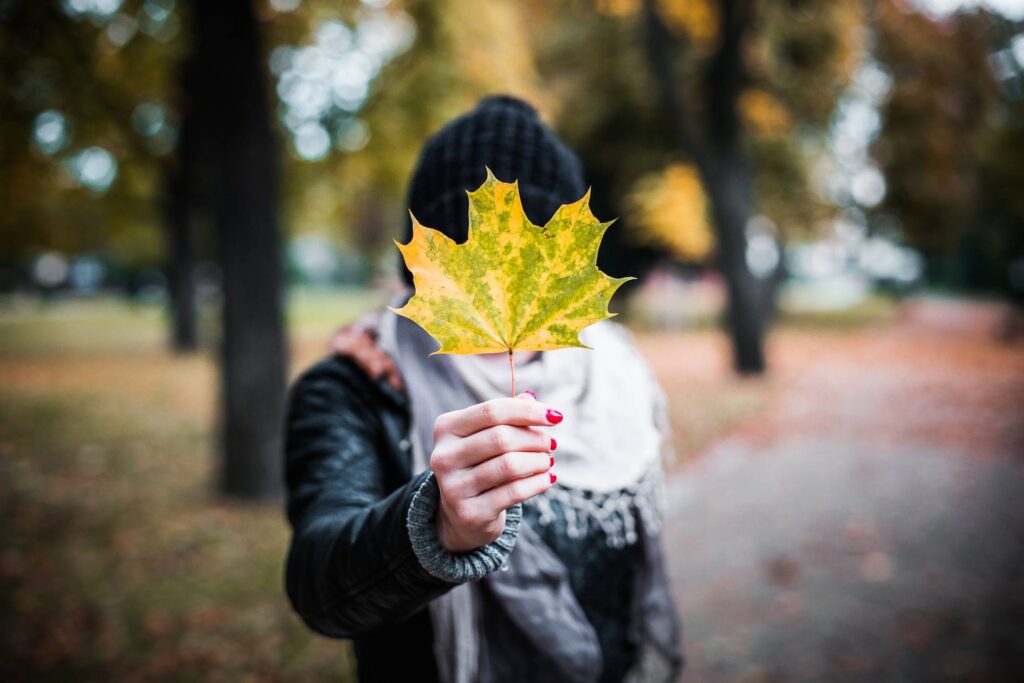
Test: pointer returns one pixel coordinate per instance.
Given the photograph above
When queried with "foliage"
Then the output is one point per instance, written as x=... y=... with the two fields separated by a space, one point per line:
x=511 y=285
x=800 y=57
x=103 y=81
x=113 y=78
x=942 y=98
x=463 y=50
x=670 y=209
x=457 y=51
x=325 y=61
x=1001 y=177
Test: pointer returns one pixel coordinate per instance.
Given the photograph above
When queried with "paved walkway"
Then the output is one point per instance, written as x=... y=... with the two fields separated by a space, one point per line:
x=871 y=527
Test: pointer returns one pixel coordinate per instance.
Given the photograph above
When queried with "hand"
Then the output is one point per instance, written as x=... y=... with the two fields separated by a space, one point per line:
x=487 y=458
x=358 y=342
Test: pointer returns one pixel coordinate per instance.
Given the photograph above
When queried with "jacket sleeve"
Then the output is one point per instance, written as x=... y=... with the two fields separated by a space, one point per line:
x=351 y=568
x=362 y=557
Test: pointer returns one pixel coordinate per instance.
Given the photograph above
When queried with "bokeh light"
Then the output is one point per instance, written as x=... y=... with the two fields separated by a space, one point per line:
x=323 y=85
x=149 y=118
x=94 y=168
x=312 y=141
x=353 y=136
x=99 y=9
x=50 y=269
x=49 y=132
x=285 y=5
x=121 y=29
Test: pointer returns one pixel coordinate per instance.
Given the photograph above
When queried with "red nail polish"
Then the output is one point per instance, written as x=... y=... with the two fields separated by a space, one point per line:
x=554 y=444
x=554 y=417
x=553 y=476
x=552 y=463
x=531 y=394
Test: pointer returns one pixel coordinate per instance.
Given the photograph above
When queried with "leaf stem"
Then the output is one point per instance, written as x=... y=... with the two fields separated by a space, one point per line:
x=512 y=368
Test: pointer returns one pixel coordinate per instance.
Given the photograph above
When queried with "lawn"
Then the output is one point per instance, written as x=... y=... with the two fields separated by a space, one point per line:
x=117 y=558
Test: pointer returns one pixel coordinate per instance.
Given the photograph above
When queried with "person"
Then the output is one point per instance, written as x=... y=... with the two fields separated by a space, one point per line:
x=457 y=535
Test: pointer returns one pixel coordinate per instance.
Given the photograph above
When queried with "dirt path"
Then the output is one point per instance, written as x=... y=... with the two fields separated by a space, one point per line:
x=871 y=525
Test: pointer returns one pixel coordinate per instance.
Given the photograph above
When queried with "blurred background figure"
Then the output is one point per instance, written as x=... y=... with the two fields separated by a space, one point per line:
x=822 y=202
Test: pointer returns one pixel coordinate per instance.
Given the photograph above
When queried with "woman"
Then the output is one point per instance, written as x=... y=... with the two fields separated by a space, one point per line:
x=457 y=536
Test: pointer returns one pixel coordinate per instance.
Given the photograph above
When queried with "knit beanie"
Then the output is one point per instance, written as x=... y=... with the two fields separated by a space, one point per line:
x=506 y=135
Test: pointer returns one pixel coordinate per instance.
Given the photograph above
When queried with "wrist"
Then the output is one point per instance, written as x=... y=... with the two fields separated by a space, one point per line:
x=460 y=540
x=455 y=567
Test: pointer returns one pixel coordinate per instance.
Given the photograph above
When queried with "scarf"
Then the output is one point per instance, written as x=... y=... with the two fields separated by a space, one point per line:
x=612 y=439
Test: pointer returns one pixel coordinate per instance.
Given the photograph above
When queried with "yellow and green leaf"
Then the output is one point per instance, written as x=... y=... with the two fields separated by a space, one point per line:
x=511 y=285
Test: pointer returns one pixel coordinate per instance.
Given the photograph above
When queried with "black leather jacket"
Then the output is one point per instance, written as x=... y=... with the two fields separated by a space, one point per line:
x=351 y=571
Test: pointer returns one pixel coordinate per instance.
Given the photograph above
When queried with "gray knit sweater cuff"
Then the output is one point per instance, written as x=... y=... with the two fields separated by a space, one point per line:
x=446 y=565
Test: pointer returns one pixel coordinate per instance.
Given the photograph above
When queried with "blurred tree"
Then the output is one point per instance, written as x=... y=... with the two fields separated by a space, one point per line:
x=183 y=205
x=235 y=135
x=742 y=90
x=86 y=132
x=324 y=55
x=362 y=85
x=91 y=118
x=722 y=161
x=942 y=98
x=90 y=130
x=1001 y=177
x=463 y=51
x=670 y=208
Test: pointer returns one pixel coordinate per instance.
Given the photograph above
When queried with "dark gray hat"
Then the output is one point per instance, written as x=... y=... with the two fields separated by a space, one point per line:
x=506 y=135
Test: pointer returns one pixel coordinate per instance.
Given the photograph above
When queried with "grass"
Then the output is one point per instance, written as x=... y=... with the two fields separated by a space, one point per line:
x=874 y=309
x=116 y=325
x=117 y=559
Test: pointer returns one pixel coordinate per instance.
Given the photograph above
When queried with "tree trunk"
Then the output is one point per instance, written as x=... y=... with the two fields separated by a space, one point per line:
x=184 y=332
x=727 y=175
x=722 y=164
x=232 y=104
x=181 y=271
x=728 y=183
x=182 y=203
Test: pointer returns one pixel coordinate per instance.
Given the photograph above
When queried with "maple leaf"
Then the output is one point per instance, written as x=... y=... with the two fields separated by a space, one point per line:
x=511 y=285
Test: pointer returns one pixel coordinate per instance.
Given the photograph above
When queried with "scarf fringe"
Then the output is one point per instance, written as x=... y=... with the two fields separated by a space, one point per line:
x=615 y=513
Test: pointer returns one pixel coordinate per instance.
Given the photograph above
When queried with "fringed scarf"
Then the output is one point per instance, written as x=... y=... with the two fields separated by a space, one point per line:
x=610 y=447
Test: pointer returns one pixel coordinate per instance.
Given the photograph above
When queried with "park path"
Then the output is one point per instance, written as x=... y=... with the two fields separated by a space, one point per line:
x=870 y=525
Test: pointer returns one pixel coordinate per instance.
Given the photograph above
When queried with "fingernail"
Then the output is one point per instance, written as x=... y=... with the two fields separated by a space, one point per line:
x=554 y=444
x=554 y=477
x=531 y=394
x=552 y=463
x=554 y=417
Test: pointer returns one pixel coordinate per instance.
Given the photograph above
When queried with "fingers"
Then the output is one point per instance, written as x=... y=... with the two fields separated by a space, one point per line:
x=493 y=441
x=345 y=339
x=498 y=411
x=374 y=361
x=506 y=495
x=487 y=458
x=504 y=469
x=394 y=377
x=360 y=345
x=382 y=366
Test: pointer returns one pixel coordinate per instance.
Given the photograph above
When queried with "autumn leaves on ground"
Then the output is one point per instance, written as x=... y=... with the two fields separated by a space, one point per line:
x=116 y=559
